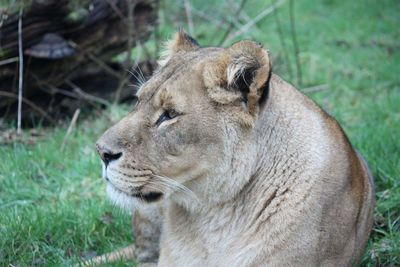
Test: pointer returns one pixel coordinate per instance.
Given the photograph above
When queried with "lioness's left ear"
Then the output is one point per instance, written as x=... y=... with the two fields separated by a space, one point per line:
x=181 y=42
x=243 y=70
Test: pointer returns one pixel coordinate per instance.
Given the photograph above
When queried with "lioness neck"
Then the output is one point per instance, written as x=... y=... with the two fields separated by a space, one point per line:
x=280 y=147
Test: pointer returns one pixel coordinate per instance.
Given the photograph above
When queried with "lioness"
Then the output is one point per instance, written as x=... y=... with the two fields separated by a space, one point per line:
x=240 y=167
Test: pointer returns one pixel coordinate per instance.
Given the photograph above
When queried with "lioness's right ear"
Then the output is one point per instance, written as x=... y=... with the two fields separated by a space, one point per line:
x=239 y=75
x=182 y=42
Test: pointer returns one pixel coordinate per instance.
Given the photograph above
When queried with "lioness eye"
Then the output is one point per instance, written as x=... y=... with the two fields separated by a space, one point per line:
x=167 y=115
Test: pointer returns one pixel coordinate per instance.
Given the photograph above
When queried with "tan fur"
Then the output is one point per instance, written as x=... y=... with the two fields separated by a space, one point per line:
x=258 y=175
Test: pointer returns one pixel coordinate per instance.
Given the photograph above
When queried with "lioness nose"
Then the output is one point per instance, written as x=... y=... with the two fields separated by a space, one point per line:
x=107 y=155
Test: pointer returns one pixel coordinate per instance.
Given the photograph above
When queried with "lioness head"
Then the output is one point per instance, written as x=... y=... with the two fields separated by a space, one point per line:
x=189 y=135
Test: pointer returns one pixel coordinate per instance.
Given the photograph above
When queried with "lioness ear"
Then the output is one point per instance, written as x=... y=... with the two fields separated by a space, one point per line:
x=182 y=42
x=240 y=74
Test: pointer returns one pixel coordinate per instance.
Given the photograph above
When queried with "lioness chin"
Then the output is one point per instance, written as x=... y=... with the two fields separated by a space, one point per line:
x=235 y=167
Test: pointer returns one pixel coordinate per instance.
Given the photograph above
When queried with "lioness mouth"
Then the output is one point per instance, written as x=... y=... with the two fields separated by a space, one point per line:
x=148 y=197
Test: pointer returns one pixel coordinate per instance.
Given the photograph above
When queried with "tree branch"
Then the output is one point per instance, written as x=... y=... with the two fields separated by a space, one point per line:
x=248 y=25
x=295 y=43
x=70 y=127
x=128 y=62
x=30 y=104
x=230 y=27
x=21 y=73
x=283 y=43
x=188 y=11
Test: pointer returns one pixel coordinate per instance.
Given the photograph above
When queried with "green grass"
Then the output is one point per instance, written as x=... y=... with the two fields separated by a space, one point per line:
x=52 y=203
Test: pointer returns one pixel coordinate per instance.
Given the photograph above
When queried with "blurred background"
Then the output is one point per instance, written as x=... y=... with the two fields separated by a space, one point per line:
x=69 y=69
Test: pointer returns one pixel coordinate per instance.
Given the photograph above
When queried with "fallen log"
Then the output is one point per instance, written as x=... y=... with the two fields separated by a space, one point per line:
x=68 y=49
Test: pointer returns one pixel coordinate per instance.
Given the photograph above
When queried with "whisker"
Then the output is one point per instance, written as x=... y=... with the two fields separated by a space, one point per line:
x=166 y=187
x=139 y=80
x=176 y=186
x=156 y=187
x=141 y=73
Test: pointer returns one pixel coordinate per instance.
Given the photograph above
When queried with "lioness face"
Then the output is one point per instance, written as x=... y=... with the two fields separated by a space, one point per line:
x=190 y=121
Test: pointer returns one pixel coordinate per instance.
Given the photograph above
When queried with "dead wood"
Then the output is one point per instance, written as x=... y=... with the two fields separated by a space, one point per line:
x=65 y=44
